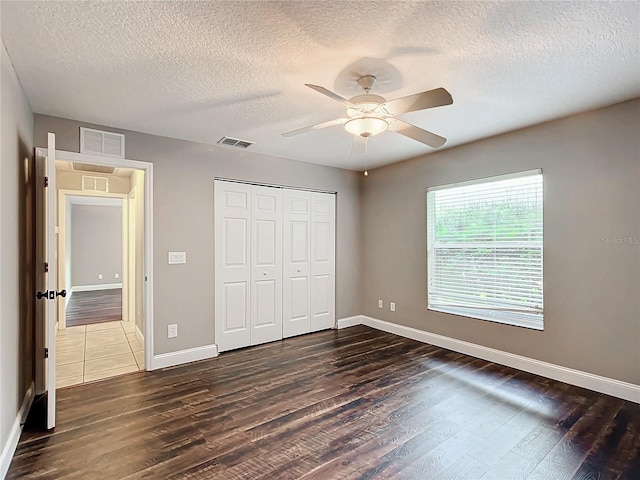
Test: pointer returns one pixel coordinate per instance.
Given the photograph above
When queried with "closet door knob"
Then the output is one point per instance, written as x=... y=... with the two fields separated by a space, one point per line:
x=298 y=270
x=264 y=273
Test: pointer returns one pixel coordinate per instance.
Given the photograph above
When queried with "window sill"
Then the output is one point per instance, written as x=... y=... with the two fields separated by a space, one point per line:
x=513 y=319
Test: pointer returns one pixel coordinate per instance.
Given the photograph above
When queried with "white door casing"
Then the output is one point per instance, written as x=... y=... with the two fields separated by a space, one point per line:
x=296 y=266
x=46 y=277
x=266 y=264
x=323 y=253
x=232 y=265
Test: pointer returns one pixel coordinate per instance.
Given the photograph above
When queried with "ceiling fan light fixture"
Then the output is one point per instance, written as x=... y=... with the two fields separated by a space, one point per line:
x=366 y=126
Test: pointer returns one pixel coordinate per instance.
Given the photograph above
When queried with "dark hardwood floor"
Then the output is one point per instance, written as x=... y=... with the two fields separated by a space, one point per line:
x=96 y=306
x=350 y=404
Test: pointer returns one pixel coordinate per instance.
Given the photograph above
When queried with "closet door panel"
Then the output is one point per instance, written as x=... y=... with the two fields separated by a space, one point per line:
x=322 y=263
x=232 y=265
x=296 y=253
x=266 y=268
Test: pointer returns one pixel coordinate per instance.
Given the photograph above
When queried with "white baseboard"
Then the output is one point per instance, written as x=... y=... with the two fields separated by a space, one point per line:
x=172 y=359
x=9 y=447
x=91 y=288
x=610 y=386
x=352 y=321
x=139 y=335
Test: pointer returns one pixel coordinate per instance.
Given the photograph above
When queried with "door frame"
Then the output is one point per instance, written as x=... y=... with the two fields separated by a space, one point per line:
x=63 y=237
x=147 y=167
x=131 y=222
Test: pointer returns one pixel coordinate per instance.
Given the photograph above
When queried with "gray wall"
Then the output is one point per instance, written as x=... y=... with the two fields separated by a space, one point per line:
x=96 y=244
x=183 y=221
x=591 y=166
x=17 y=249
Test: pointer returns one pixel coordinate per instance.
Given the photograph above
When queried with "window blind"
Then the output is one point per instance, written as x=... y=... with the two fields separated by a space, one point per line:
x=484 y=241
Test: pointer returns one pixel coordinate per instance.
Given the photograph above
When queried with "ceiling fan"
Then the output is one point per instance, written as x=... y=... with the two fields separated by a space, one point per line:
x=369 y=114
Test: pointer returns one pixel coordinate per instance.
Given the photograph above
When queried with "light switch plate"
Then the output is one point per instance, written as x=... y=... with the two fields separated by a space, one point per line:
x=177 y=257
x=392 y=306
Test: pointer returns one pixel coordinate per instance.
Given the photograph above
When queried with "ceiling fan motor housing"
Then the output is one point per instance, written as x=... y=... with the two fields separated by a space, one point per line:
x=367 y=104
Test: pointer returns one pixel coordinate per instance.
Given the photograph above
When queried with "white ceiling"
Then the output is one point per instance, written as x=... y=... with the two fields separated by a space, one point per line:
x=201 y=70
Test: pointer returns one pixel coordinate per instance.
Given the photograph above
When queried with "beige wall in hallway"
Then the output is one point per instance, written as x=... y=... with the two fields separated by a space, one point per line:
x=183 y=220
x=66 y=180
x=137 y=185
x=591 y=166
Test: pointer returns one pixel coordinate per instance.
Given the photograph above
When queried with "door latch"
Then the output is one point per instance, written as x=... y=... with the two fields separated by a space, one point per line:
x=51 y=294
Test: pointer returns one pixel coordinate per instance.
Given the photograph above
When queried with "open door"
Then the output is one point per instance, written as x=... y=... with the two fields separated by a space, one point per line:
x=46 y=277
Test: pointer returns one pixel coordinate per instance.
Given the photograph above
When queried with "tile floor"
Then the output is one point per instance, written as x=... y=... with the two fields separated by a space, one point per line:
x=92 y=352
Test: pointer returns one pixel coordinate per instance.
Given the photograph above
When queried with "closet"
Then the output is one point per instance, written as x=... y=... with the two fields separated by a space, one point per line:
x=274 y=263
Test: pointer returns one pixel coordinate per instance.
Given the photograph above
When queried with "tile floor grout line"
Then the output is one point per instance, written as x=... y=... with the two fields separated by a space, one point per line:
x=85 y=348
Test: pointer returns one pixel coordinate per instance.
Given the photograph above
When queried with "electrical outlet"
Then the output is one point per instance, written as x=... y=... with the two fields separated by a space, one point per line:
x=117 y=275
x=172 y=330
x=380 y=304
x=392 y=306
x=99 y=276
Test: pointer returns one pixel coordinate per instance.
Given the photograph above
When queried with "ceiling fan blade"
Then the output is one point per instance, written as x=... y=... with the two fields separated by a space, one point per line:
x=419 y=101
x=331 y=95
x=317 y=126
x=416 y=133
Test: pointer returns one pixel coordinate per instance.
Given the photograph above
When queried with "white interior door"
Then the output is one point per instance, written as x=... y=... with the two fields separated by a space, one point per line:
x=296 y=288
x=232 y=265
x=266 y=264
x=323 y=255
x=46 y=277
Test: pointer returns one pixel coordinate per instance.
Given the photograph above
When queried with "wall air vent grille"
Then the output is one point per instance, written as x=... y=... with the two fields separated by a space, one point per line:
x=86 y=167
x=97 y=142
x=95 y=184
x=235 y=142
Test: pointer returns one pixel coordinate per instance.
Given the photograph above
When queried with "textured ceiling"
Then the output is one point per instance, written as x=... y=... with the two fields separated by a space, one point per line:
x=201 y=70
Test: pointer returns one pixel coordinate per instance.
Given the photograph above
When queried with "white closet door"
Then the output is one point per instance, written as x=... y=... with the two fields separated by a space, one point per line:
x=296 y=266
x=232 y=265
x=323 y=256
x=266 y=264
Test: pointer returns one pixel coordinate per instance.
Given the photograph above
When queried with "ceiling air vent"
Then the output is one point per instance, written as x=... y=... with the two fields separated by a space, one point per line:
x=95 y=184
x=86 y=167
x=97 y=142
x=235 y=142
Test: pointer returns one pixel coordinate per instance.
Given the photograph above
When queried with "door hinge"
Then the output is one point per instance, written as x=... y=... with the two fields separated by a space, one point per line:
x=46 y=267
x=46 y=353
x=46 y=181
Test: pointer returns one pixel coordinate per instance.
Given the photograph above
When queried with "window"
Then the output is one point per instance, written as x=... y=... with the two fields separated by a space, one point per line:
x=484 y=242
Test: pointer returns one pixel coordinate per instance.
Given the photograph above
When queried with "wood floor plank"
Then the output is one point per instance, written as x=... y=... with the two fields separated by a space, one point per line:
x=349 y=404
x=95 y=306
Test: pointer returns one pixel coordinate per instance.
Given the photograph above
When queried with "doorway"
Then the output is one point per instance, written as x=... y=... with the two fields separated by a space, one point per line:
x=100 y=264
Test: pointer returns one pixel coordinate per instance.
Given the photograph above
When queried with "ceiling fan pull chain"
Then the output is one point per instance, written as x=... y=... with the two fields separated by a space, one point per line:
x=366 y=150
